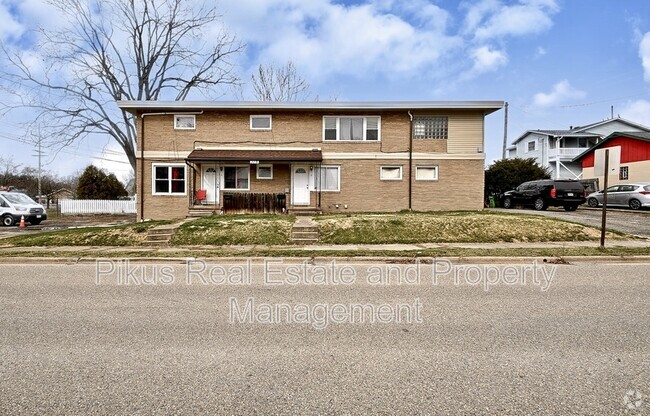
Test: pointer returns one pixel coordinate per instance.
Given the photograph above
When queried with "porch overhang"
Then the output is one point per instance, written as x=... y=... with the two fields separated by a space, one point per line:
x=213 y=155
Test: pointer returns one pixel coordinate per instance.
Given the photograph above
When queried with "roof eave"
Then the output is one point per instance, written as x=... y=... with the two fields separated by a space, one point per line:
x=134 y=106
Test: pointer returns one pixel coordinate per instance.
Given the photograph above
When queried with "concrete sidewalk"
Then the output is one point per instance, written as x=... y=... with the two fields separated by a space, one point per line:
x=144 y=250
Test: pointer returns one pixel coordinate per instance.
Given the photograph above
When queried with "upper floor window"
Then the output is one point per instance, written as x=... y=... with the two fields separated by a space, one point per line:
x=532 y=146
x=185 y=122
x=168 y=179
x=351 y=128
x=259 y=122
x=430 y=127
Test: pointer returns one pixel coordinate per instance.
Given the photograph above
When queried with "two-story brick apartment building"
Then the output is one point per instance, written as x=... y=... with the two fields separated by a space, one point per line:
x=325 y=156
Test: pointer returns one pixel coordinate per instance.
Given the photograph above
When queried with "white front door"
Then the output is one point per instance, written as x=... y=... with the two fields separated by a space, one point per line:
x=300 y=189
x=210 y=183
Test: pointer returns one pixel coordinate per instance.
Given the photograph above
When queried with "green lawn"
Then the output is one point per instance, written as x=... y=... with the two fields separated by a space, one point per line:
x=273 y=230
x=267 y=229
x=119 y=235
x=448 y=227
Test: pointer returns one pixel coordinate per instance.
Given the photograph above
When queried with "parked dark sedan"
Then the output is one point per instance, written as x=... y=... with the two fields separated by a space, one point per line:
x=547 y=192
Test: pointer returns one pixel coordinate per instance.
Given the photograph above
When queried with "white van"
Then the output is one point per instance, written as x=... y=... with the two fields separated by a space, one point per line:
x=14 y=205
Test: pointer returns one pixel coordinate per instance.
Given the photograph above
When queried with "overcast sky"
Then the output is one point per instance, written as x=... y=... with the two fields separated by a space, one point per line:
x=559 y=63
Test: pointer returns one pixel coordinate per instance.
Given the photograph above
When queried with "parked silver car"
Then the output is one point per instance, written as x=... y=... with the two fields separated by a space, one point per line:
x=633 y=195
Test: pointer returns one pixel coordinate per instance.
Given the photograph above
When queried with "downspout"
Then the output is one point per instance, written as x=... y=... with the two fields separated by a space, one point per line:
x=141 y=196
x=410 y=160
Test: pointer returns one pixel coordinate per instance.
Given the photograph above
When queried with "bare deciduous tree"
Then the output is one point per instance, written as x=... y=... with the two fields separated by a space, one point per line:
x=111 y=50
x=279 y=84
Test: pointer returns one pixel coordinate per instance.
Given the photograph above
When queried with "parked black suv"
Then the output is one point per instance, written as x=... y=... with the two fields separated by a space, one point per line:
x=547 y=192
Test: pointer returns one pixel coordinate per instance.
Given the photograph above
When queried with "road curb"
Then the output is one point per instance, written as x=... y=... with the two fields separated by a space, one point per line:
x=329 y=260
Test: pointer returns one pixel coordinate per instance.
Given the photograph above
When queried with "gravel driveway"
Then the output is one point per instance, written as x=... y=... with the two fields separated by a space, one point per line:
x=626 y=221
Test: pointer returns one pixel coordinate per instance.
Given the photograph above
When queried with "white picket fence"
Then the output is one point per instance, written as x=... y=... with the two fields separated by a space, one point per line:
x=96 y=206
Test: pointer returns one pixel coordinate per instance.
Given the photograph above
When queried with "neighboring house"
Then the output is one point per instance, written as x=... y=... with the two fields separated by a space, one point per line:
x=319 y=156
x=54 y=196
x=635 y=158
x=557 y=149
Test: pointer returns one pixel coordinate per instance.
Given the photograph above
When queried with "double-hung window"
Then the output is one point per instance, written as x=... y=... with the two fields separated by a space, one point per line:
x=169 y=179
x=236 y=177
x=351 y=128
x=329 y=178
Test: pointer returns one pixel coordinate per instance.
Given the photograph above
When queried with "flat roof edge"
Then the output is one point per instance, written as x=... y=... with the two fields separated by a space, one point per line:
x=314 y=105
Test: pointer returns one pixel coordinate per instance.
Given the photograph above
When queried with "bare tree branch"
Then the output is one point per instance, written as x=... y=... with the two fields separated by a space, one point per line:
x=112 y=50
x=279 y=84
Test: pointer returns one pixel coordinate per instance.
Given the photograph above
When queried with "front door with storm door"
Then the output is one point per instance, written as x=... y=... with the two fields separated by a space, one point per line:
x=210 y=182
x=300 y=189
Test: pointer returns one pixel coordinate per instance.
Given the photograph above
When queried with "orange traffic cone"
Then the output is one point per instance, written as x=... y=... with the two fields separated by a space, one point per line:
x=22 y=221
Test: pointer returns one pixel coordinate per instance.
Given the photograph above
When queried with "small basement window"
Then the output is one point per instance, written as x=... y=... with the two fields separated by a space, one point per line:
x=426 y=173
x=390 y=173
x=264 y=171
x=259 y=122
x=184 y=122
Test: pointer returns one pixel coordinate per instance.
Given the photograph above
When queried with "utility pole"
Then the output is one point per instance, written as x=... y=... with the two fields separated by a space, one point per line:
x=603 y=223
x=505 y=132
x=39 y=154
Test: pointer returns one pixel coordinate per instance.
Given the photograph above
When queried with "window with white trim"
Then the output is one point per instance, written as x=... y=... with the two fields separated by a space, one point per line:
x=352 y=128
x=430 y=127
x=329 y=178
x=236 y=177
x=264 y=172
x=261 y=122
x=624 y=173
x=390 y=173
x=184 y=122
x=532 y=146
x=168 y=179
x=426 y=173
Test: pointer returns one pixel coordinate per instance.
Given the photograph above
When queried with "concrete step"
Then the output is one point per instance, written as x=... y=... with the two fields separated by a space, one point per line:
x=169 y=231
x=304 y=240
x=298 y=235
x=193 y=213
x=157 y=243
x=313 y=230
x=159 y=237
x=304 y=211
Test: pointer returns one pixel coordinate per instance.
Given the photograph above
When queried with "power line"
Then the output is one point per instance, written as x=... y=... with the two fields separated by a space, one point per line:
x=67 y=151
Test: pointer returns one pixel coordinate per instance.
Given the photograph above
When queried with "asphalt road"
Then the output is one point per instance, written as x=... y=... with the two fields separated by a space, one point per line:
x=69 y=345
x=627 y=221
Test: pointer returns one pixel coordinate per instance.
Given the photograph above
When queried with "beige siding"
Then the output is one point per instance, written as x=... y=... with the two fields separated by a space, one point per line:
x=637 y=172
x=465 y=133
